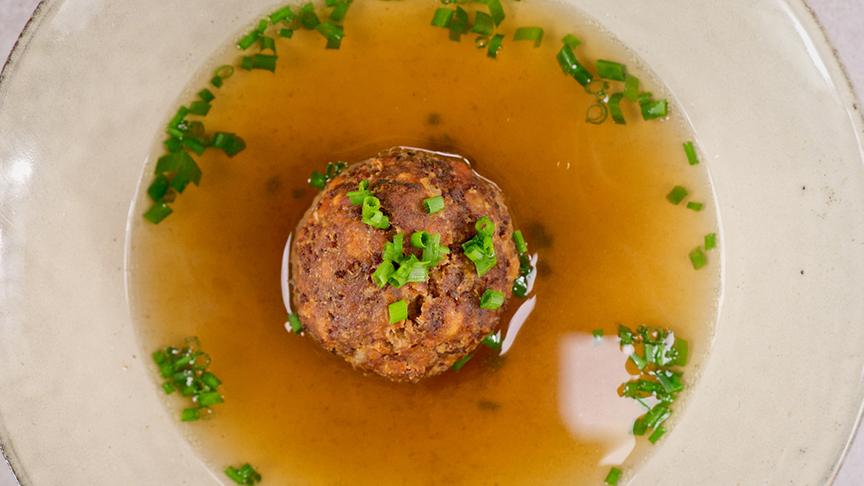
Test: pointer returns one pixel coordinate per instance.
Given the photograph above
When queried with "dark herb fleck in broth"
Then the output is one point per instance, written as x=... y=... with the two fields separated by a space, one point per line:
x=590 y=199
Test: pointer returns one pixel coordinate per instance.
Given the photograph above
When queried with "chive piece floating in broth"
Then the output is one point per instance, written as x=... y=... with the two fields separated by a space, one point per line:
x=398 y=311
x=294 y=323
x=690 y=151
x=615 y=108
x=480 y=249
x=519 y=241
x=495 y=45
x=461 y=362
x=695 y=206
x=631 y=87
x=158 y=212
x=698 y=258
x=677 y=194
x=267 y=43
x=496 y=10
x=483 y=24
x=286 y=33
x=332 y=32
x=244 y=475
x=597 y=333
x=653 y=109
x=206 y=95
x=442 y=17
x=710 y=241
x=572 y=67
x=340 y=9
x=611 y=70
x=613 y=477
x=229 y=142
x=458 y=24
x=532 y=34
x=285 y=14
x=493 y=341
x=571 y=41
x=265 y=62
x=308 y=18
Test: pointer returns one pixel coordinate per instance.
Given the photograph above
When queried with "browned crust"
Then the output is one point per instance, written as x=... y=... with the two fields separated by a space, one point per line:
x=334 y=254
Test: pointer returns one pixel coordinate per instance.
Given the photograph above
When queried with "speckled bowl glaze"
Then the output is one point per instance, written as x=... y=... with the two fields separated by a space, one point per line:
x=91 y=80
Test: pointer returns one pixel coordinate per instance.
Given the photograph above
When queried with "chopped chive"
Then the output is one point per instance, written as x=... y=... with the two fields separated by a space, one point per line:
x=495 y=44
x=332 y=32
x=194 y=145
x=158 y=188
x=442 y=17
x=611 y=70
x=245 y=475
x=571 y=41
x=308 y=18
x=393 y=250
x=199 y=107
x=698 y=258
x=433 y=204
x=597 y=333
x=519 y=240
x=382 y=274
x=189 y=415
x=210 y=380
x=615 y=108
x=340 y=9
x=247 y=40
x=286 y=33
x=533 y=34
x=495 y=10
x=631 y=87
x=480 y=249
x=264 y=62
x=572 y=67
x=461 y=362
x=178 y=117
x=483 y=24
x=690 y=150
x=372 y=214
x=639 y=361
x=656 y=435
x=695 y=206
x=458 y=24
x=206 y=95
x=652 y=109
x=216 y=81
x=681 y=350
x=209 y=399
x=710 y=241
x=613 y=476
x=285 y=13
x=230 y=143
x=168 y=387
x=398 y=311
x=294 y=323
x=224 y=71
x=267 y=43
x=182 y=170
x=492 y=341
x=491 y=299
x=676 y=195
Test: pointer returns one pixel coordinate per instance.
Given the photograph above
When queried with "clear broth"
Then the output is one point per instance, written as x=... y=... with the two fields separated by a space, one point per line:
x=590 y=199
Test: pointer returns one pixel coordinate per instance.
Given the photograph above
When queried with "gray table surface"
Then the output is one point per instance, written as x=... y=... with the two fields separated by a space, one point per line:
x=842 y=19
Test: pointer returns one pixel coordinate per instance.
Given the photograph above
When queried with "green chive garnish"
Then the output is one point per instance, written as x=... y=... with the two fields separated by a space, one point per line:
x=308 y=18
x=245 y=475
x=199 y=107
x=460 y=363
x=615 y=108
x=382 y=274
x=491 y=299
x=710 y=241
x=676 y=195
x=532 y=34
x=372 y=214
x=294 y=323
x=695 y=206
x=267 y=43
x=264 y=62
x=690 y=150
x=157 y=212
x=698 y=258
x=572 y=67
x=206 y=95
x=571 y=41
x=655 y=436
x=492 y=341
x=185 y=370
x=286 y=33
x=340 y=9
x=495 y=45
x=597 y=333
x=332 y=32
x=613 y=476
x=483 y=24
x=247 y=40
x=611 y=70
x=495 y=10
x=230 y=143
x=480 y=249
x=442 y=17
x=433 y=204
x=652 y=109
x=458 y=23
x=519 y=240
x=398 y=311
x=285 y=13
x=631 y=87
x=189 y=415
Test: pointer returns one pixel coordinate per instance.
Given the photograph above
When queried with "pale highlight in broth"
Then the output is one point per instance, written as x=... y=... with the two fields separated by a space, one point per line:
x=590 y=199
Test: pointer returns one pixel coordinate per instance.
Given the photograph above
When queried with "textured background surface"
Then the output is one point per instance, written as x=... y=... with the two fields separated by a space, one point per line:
x=842 y=19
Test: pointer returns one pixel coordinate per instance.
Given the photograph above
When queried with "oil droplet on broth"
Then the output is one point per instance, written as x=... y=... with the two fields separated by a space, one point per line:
x=590 y=200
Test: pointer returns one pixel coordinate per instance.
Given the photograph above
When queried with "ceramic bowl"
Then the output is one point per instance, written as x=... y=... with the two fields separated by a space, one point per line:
x=91 y=80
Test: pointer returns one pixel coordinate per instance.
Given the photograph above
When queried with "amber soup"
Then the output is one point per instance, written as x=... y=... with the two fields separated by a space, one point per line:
x=590 y=199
